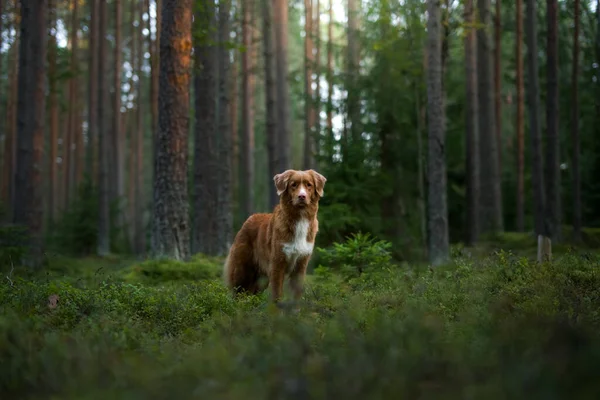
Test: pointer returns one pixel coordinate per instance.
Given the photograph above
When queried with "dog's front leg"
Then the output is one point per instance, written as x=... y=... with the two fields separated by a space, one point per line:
x=297 y=277
x=276 y=277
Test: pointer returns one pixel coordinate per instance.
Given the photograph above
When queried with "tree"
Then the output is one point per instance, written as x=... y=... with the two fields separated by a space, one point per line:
x=116 y=139
x=71 y=147
x=353 y=65
x=247 y=153
x=575 y=128
x=533 y=104
x=472 y=128
x=490 y=189
x=270 y=96
x=317 y=68
x=103 y=138
x=53 y=99
x=280 y=23
x=520 y=122
x=437 y=208
x=224 y=193
x=330 y=71
x=31 y=112
x=171 y=228
x=205 y=160
x=140 y=237
x=552 y=214
x=93 y=92
x=309 y=114
x=498 y=81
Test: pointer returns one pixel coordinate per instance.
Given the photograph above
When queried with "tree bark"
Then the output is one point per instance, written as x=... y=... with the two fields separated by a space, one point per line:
x=437 y=208
x=224 y=210
x=575 y=129
x=330 y=71
x=472 y=128
x=205 y=144
x=171 y=229
x=133 y=91
x=280 y=24
x=270 y=96
x=103 y=138
x=117 y=151
x=317 y=98
x=91 y=156
x=498 y=81
x=308 y=93
x=140 y=206
x=533 y=104
x=353 y=67
x=520 y=121
x=552 y=217
x=247 y=153
x=70 y=154
x=489 y=186
x=31 y=111
x=53 y=98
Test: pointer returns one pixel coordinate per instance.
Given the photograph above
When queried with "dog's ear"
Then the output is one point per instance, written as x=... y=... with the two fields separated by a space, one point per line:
x=319 y=181
x=281 y=181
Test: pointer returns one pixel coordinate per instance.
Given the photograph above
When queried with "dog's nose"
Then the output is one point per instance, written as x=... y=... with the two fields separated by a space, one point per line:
x=302 y=196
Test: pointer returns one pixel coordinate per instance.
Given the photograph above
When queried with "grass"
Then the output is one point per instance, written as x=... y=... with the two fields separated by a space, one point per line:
x=490 y=324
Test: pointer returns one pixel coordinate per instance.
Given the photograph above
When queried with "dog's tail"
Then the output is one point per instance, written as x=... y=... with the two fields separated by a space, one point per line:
x=227 y=272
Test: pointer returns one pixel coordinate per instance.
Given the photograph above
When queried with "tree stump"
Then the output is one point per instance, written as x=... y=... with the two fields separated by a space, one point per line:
x=544 y=253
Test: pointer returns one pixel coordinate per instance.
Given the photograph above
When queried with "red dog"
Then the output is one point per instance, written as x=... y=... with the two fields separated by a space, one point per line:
x=270 y=246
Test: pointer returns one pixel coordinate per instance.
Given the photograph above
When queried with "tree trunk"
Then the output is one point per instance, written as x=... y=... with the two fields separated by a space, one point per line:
x=270 y=96
x=224 y=209
x=308 y=95
x=53 y=98
x=280 y=22
x=472 y=128
x=247 y=153
x=317 y=99
x=103 y=138
x=70 y=154
x=205 y=144
x=133 y=91
x=498 y=82
x=533 y=104
x=233 y=117
x=140 y=206
x=91 y=156
x=353 y=66
x=437 y=208
x=520 y=121
x=575 y=130
x=552 y=217
x=171 y=230
x=154 y=77
x=31 y=111
x=330 y=71
x=489 y=186
x=117 y=150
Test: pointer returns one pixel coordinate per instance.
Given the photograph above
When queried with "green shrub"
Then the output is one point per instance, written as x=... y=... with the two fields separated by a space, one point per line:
x=155 y=271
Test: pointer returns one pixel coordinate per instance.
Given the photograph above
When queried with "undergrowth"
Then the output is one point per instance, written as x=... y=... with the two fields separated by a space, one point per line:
x=495 y=326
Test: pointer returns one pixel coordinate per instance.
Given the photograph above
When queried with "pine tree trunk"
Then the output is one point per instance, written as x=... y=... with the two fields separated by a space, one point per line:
x=330 y=71
x=103 y=137
x=205 y=144
x=280 y=25
x=53 y=99
x=70 y=155
x=472 y=128
x=575 y=129
x=92 y=145
x=437 y=208
x=552 y=217
x=270 y=96
x=316 y=141
x=533 y=104
x=31 y=112
x=498 y=81
x=233 y=117
x=132 y=170
x=353 y=66
x=308 y=93
x=117 y=152
x=490 y=189
x=224 y=208
x=247 y=148
x=520 y=120
x=140 y=206
x=171 y=228
x=10 y=144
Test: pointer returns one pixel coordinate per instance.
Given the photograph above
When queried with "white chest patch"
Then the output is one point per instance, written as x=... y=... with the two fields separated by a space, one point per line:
x=299 y=246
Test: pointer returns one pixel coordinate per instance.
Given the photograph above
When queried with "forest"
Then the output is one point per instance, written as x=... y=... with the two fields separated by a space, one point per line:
x=458 y=252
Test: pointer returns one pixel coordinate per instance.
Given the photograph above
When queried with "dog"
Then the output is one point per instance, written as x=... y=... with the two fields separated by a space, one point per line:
x=270 y=246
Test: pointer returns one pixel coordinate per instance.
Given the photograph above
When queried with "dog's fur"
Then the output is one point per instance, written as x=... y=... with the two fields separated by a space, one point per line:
x=269 y=247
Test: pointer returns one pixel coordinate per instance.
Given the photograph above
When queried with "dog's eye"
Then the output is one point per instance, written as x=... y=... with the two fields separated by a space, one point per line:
x=308 y=185
x=294 y=184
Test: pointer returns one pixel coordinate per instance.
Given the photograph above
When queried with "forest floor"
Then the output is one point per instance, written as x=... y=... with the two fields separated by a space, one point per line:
x=491 y=324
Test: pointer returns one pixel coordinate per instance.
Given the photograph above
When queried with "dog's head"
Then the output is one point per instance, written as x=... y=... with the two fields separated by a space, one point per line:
x=299 y=188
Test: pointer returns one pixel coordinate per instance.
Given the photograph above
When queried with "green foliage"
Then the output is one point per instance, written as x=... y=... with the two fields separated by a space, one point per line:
x=12 y=245
x=359 y=253
x=200 y=267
